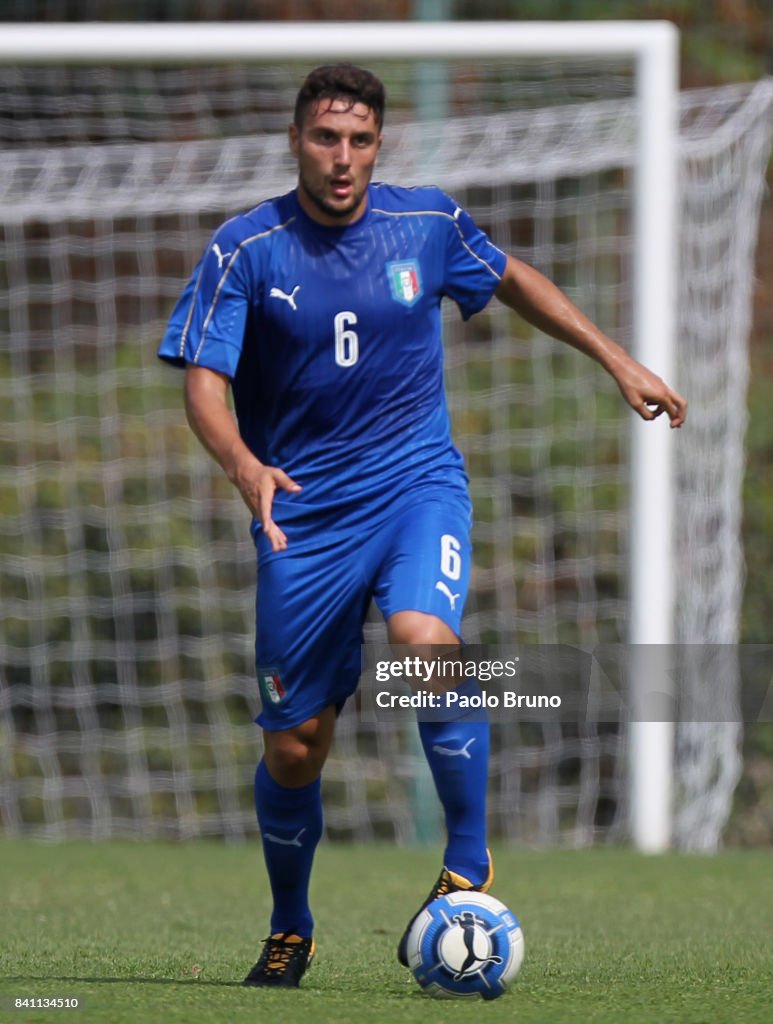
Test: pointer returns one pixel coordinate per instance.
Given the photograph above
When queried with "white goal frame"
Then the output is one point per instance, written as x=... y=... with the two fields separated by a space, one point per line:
x=653 y=48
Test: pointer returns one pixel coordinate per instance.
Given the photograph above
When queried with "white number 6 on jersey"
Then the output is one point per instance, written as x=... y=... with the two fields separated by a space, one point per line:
x=347 y=342
x=450 y=559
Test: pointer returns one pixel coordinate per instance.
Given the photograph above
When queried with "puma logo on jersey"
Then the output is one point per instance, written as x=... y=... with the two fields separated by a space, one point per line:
x=219 y=254
x=440 y=585
x=452 y=752
x=295 y=841
x=277 y=293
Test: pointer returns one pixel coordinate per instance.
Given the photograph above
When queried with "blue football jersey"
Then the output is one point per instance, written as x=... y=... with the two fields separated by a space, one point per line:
x=332 y=340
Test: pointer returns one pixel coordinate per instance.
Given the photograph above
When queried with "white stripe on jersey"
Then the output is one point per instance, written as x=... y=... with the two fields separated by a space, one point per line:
x=442 y=213
x=221 y=282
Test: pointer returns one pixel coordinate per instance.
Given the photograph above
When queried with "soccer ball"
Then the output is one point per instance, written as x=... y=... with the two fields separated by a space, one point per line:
x=465 y=944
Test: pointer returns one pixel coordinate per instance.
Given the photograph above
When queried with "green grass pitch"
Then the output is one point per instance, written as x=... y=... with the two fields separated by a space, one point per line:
x=153 y=932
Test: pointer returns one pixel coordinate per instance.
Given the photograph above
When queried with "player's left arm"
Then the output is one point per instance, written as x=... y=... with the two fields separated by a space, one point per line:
x=539 y=301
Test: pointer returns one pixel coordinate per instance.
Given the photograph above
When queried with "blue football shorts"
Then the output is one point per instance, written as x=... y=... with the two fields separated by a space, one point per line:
x=311 y=605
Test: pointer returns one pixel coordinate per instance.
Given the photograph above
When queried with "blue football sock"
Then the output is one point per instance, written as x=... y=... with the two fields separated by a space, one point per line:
x=290 y=823
x=457 y=752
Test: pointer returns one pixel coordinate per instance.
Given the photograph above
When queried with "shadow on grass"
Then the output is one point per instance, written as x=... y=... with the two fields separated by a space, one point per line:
x=398 y=995
x=137 y=980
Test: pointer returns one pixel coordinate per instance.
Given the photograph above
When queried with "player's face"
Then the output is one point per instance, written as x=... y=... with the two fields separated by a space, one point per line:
x=336 y=148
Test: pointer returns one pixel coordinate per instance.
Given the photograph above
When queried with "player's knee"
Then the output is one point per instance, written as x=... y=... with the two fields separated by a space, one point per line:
x=295 y=757
x=292 y=764
x=416 y=629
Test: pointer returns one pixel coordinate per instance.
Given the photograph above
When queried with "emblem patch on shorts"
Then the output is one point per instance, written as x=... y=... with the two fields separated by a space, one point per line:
x=405 y=281
x=271 y=688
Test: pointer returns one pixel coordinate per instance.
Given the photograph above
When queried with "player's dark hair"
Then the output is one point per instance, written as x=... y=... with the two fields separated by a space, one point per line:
x=344 y=82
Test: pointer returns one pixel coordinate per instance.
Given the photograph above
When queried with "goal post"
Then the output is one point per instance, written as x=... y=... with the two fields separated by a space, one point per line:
x=98 y=183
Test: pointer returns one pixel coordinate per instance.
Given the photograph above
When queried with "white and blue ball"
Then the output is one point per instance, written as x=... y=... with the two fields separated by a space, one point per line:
x=465 y=944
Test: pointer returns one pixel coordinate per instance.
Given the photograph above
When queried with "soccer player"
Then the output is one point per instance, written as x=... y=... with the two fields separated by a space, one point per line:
x=320 y=310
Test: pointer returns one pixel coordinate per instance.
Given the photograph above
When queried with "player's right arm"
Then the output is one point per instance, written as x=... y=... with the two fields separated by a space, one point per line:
x=206 y=405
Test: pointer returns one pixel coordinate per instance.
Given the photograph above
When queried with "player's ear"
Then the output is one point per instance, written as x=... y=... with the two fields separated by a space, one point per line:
x=292 y=135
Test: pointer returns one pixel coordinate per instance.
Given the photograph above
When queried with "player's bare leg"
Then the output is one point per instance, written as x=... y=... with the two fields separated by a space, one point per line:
x=416 y=629
x=295 y=757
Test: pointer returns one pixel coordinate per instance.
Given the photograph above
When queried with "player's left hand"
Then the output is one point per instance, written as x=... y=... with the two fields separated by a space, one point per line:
x=648 y=395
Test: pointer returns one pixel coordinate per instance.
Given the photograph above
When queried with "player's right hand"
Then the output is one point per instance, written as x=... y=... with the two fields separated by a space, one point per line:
x=258 y=488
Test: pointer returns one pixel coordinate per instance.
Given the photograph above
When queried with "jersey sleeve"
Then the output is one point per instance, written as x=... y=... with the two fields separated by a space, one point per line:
x=474 y=265
x=207 y=325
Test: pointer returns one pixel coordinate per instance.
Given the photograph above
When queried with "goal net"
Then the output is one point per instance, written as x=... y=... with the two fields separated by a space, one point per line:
x=126 y=566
